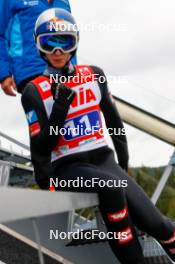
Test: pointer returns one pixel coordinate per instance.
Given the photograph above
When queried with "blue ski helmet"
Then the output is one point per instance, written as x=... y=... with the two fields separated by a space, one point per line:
x=56 y=29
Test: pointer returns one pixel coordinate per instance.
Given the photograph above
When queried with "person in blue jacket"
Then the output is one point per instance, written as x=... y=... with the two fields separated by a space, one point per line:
x=19 y=59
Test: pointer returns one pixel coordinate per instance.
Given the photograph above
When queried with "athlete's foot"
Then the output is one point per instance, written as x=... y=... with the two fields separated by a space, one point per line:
x=169 y=247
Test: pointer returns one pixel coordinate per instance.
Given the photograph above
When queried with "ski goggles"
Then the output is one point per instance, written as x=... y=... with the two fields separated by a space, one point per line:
x=49 y=43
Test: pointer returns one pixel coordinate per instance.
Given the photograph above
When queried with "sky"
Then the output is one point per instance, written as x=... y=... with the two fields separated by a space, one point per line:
x=134 y=43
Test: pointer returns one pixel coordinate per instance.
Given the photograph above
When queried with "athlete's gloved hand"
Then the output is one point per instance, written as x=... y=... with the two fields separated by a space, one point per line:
x=62 y=94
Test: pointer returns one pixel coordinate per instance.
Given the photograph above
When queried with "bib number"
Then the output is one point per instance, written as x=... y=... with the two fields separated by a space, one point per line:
x=82 y=125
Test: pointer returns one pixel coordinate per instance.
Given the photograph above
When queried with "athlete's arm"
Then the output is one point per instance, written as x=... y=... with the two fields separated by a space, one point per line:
x=42 y=141
x=113 y=120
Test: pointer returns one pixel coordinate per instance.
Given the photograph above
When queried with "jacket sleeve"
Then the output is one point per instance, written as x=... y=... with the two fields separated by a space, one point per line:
x=113 y=120
x=67 y=5
x=6 y=13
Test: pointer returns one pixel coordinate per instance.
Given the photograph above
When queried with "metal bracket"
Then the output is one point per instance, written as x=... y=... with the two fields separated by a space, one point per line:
x=172 y=160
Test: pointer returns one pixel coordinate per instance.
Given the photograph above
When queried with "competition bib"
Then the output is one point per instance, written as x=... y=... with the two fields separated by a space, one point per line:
x=82 y=127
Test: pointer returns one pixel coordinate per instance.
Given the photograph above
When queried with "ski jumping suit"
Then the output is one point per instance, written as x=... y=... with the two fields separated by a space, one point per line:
x=88 y=155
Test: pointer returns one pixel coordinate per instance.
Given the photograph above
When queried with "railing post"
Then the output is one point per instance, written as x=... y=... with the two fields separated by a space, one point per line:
x=163 y=180
x=38 y=241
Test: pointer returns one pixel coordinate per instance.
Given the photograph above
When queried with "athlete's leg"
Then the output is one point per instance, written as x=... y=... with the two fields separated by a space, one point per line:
x=143 y=213
x=113 y=206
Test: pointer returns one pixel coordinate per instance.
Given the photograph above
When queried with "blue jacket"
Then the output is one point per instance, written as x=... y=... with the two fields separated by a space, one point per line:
x=18 y=54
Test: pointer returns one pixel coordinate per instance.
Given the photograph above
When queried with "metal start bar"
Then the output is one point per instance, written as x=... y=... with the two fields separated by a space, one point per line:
x=16 y=200
x=146 y=121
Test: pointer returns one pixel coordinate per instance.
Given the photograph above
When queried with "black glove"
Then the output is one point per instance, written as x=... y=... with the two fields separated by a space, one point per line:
x=62 y=94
